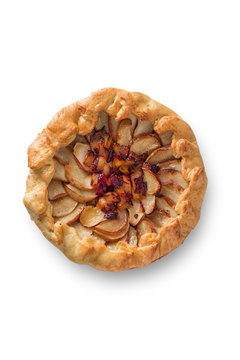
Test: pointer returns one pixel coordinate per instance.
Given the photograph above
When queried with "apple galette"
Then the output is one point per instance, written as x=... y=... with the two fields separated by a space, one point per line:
x=116 y=180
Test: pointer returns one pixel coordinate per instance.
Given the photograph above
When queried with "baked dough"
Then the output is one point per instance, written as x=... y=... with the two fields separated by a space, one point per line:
x=80 y=244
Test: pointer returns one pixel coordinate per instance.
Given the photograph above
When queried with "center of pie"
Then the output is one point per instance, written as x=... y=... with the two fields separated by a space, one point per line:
x=117 y=173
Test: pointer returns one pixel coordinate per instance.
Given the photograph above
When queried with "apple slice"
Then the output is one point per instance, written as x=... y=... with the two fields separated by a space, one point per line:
x=148 y=203
x=124 y=203
x=114 y=226
x=158 y=218
x=173 y=176
x=102 y=121
x=56 y=190
x=171 y=164
x=73 y=216
x=124 y=135
x=136 y=212
x=112 y=237
x=63 y=206
x=145 y=143
x=132 y=163
x=153 y=184
x=166 y=138
x=59 y=173
x=97 y=164
x=166 y=204
x=143 y=127
x=145 y=227
x=139 y=187
x=64 y=156
x=159 y=155
x=100 y=143
x=78 y=177
x=134 y=122
x=107 y=169
x=102 y=166
x=171 y=190
x=125 y=189
x=80 y=151
x=91 y=216
x=133 y=237
x=113 y=126
x=82 y=231
x=90 y=161
x=79 y=194
x=108 y=202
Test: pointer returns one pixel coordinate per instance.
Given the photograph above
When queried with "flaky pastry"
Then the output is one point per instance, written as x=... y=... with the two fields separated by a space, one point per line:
x=116 y=180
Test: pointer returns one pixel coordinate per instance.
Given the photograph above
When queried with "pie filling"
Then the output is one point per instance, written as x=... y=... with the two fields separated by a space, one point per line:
x=118 y=182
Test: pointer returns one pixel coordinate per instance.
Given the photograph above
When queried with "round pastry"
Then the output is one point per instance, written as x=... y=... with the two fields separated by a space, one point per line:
x=116 y=180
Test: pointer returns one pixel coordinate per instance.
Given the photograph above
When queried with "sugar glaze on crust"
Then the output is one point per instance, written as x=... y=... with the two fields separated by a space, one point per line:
x=80 y=118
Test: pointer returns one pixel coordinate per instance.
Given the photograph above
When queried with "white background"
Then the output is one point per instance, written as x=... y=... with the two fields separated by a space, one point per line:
x=185 y=54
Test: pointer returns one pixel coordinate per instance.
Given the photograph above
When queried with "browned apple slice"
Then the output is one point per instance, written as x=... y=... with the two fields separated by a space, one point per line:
x=153 y=184
x=139 y=187
x=79 y=194
x=133 y=237
x=113 y=126
x=59 y=173
x=171 y=164
x=121 y=151
x=78 y=177
x=63 y=206
x=100 y=143
x=90 y=161
x=64 y=156
x=124 y=188
x=107 y=169
x=148 y=203
x=158 y=218
x=80 y=151
x=56 y=190
x=171 y=190
x=173 y=176
x=136 y=212
x=130 y=164
x=112 y=237
x=159 y=155
x=73 y=216
x=145 y=227
x=124 y=203
x=102 y=121
x=145 y=144
x=82 y=231
x=166 y=138
x=91 y=216
x=143 y=127
x=113 y=226
x=108 y=201
x=166 y=204
x=124 y=135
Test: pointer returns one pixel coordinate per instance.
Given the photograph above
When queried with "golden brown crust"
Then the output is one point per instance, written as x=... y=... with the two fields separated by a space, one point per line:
x=81 y=118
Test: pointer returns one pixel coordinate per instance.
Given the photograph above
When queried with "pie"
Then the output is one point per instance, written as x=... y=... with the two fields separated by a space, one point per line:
x=116 y=180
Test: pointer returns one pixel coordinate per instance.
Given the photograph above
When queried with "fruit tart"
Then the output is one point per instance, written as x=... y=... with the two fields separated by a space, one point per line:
x=116 y=180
